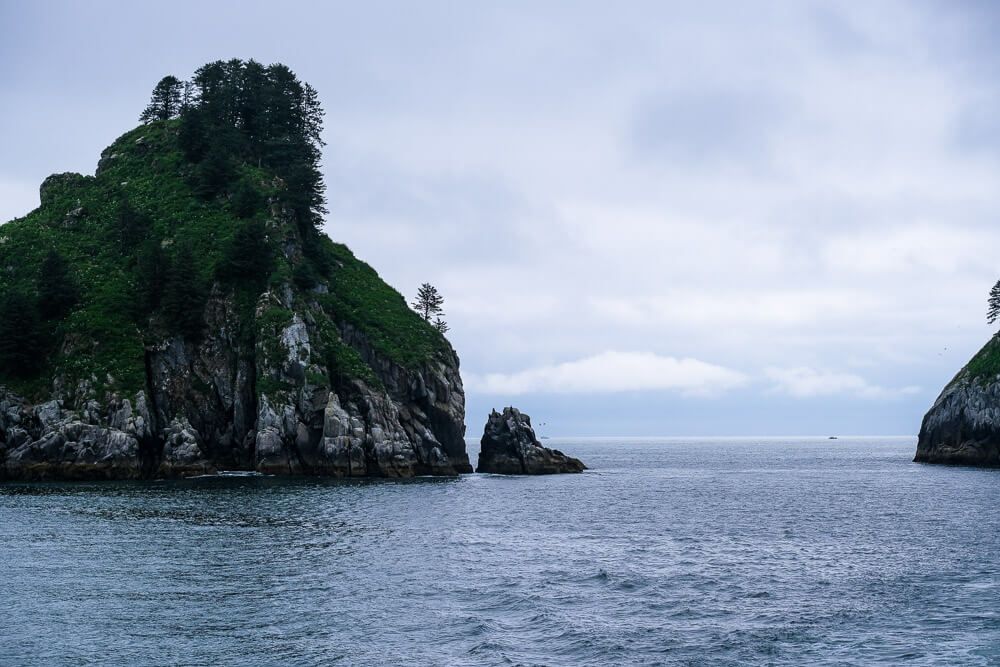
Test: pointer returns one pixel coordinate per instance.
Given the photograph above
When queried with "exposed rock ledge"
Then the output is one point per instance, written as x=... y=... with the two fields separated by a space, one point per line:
x=114 y=441
x=200 y=412
x=509 y=447
x=963 y=426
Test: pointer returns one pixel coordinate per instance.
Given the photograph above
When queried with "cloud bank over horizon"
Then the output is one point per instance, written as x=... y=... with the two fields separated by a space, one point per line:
x=615 y=371
x=612 y=372
x=785 y=205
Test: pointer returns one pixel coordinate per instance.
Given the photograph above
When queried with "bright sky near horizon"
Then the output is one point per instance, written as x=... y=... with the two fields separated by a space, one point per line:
x=656 y=218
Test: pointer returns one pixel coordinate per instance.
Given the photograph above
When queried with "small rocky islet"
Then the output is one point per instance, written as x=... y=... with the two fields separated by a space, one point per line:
x=509 y=447
x=180 y=312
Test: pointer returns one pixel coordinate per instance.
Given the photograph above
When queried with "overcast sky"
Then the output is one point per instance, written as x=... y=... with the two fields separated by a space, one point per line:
x=646 y=218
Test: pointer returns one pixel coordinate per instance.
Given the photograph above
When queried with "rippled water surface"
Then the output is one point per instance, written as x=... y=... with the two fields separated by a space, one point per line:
x=668 y=552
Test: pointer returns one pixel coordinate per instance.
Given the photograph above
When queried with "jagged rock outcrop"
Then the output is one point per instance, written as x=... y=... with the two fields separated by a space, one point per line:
x=47 y=441
x=400 y=423
x=963 y=426
x=182 y=453
x=509 y=447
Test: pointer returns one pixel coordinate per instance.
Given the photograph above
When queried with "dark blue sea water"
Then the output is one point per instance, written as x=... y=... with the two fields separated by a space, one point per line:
x=668 y=552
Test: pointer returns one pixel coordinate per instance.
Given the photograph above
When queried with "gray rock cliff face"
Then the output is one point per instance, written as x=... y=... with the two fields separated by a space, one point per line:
x=509 y=447
x=92 y=441
x=276 y=407
x=963 y=425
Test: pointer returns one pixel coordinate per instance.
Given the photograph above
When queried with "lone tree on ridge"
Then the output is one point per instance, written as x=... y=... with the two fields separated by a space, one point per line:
x=165 y=103
x=428 y=304
x=993 y=304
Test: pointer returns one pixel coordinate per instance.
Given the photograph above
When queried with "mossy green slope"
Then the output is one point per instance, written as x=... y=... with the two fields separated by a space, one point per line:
x=985 y=365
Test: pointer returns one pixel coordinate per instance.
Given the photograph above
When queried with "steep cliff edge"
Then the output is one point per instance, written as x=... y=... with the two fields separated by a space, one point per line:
x=963 y=425
x=180 y=312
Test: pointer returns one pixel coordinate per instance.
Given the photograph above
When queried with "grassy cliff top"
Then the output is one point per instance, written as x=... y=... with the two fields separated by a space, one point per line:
x=984 y=365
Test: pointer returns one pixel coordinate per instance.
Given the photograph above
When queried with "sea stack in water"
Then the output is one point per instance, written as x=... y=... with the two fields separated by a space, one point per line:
x=509 y=447
x=963 y=426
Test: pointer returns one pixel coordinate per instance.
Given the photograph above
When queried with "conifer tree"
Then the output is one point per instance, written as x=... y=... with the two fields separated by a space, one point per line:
x=165 y=102
x=57 y=291
x=21 y=334
x=211 y=89
x=212 y=175
x=187 y=96
x=183 y=296
x=246 y=200
x=312 y=116
x=151 y=274
x=249 y=257
x=251 y=104
x=428 y=302
x=993 y=304
x=193 y=134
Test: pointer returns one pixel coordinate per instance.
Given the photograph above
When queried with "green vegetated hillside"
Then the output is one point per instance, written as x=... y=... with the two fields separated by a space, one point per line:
x=984 y=367
x=218 y=192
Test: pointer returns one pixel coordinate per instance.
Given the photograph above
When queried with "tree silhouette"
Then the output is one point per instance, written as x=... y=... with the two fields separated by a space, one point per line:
x=21 y=334
x=151 y=273
x=183 y=298
x=428 y=302
x=213 y=174
x=248 y=259
x=993 y=304
x=165 y=102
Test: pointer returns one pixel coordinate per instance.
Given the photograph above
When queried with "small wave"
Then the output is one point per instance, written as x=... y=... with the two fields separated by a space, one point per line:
x=231 y=474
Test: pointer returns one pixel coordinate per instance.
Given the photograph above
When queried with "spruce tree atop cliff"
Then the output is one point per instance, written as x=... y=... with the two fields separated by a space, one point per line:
x=165 y=102
x=245 y=112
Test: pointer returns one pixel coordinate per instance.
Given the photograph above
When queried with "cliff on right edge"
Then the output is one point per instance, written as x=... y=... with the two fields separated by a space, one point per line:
x=963 y=425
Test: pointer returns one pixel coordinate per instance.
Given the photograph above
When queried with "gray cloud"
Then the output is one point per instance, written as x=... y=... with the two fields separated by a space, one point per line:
x=696 y=127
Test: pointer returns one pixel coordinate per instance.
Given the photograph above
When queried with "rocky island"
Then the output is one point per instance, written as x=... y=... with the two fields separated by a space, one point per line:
x=963 y=425
x=509 y=447
x=181 y=312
